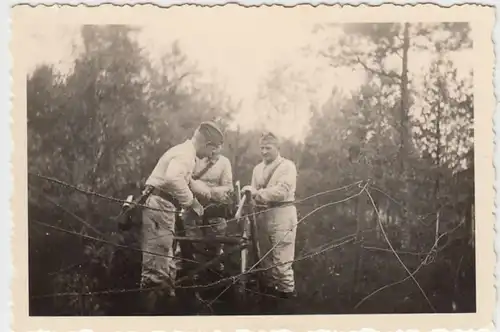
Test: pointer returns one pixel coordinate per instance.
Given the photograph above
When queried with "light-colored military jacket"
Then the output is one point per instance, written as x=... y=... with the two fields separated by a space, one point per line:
x=173 y=172
x=282 y=185
x=217 y=182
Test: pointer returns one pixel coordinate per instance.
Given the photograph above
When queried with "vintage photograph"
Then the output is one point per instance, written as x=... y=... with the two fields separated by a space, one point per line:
x=180 y=167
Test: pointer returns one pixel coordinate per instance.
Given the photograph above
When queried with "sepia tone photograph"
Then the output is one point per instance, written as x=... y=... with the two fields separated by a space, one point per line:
x=265 y=161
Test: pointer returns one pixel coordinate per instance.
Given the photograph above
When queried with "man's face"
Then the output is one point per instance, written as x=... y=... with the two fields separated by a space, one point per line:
x=206 y=151
x=216 y=151
x=269 y=152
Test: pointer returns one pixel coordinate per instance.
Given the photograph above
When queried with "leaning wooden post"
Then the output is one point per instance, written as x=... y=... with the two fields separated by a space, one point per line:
x=243 y=227
x=244 y=234
x=244 y=251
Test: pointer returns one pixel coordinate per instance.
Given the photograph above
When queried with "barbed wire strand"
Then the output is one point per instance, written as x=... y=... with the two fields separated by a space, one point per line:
x=88 y=237
x=69 y=267
x=426 y=261
x=418 y=216
x=192 y=227
x=93 y=193
x=301 y=220
x=122 y=201
x=79 y=219
x=299 y=201
x=253 y=269
x=398 y=251
x=333 y=245
x=290 y=230
x=128 y=247
x=307 y=256
x=236 y=277
x=382 y=229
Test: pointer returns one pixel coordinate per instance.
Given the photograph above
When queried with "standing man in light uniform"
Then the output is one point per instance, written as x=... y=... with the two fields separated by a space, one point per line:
x=169 y=192
x=212 y=184
x=273 y=187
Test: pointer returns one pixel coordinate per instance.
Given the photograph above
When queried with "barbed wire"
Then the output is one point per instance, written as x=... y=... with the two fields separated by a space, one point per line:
x=396 y=254
x=418 y=216
x=215 y=283
x=401 y=252
x=430 y=255
x=122 y=201
x=173 y=257
x=93 y=193
x=69 y=267
x=382 y=229
x=331 y=246
x=302 y=200
x=255 y=270
x=88 y=237
x=89 y=192
x=429 y=258
x=291 y=229
x=79 y=219
x=326 y=247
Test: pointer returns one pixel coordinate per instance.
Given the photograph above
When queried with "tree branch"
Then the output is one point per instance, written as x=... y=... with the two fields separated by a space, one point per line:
x=395 y=77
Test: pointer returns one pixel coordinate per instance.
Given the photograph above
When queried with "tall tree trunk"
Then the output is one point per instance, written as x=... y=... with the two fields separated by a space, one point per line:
x=438 y=153
x=404 y=129
x=404 y=126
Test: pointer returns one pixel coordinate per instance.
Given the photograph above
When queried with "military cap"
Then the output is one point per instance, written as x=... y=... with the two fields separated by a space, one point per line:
x=268 y=137
x=211 y=132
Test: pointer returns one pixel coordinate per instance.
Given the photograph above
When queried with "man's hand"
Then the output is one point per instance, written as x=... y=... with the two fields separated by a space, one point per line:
x=249 y=189
x=221 y=194
x=200 y=189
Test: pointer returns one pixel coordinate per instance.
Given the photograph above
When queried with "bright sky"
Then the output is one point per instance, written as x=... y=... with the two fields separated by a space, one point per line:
x=238 y=54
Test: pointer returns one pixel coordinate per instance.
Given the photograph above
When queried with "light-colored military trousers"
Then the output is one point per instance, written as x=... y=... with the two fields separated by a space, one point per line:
x=276 y=233
x=158 y=267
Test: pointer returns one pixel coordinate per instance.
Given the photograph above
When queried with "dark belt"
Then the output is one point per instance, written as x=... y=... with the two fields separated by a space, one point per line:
x=166 y=196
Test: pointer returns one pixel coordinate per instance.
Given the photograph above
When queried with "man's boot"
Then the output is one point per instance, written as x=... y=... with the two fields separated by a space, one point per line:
x=268 y=300
x=286 y=303
x=167 y=303
x=149 y=301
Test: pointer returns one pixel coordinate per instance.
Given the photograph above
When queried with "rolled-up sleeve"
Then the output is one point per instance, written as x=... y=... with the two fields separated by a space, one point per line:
x=177 y=174
x=282 y=187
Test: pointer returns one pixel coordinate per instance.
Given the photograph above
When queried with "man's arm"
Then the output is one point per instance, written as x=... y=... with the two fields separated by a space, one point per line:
x=252 y=187
x=254 y=177
x=226 y=182
x=200 y=189
x=286 y=176
x=178 y=170
x=227 y=176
